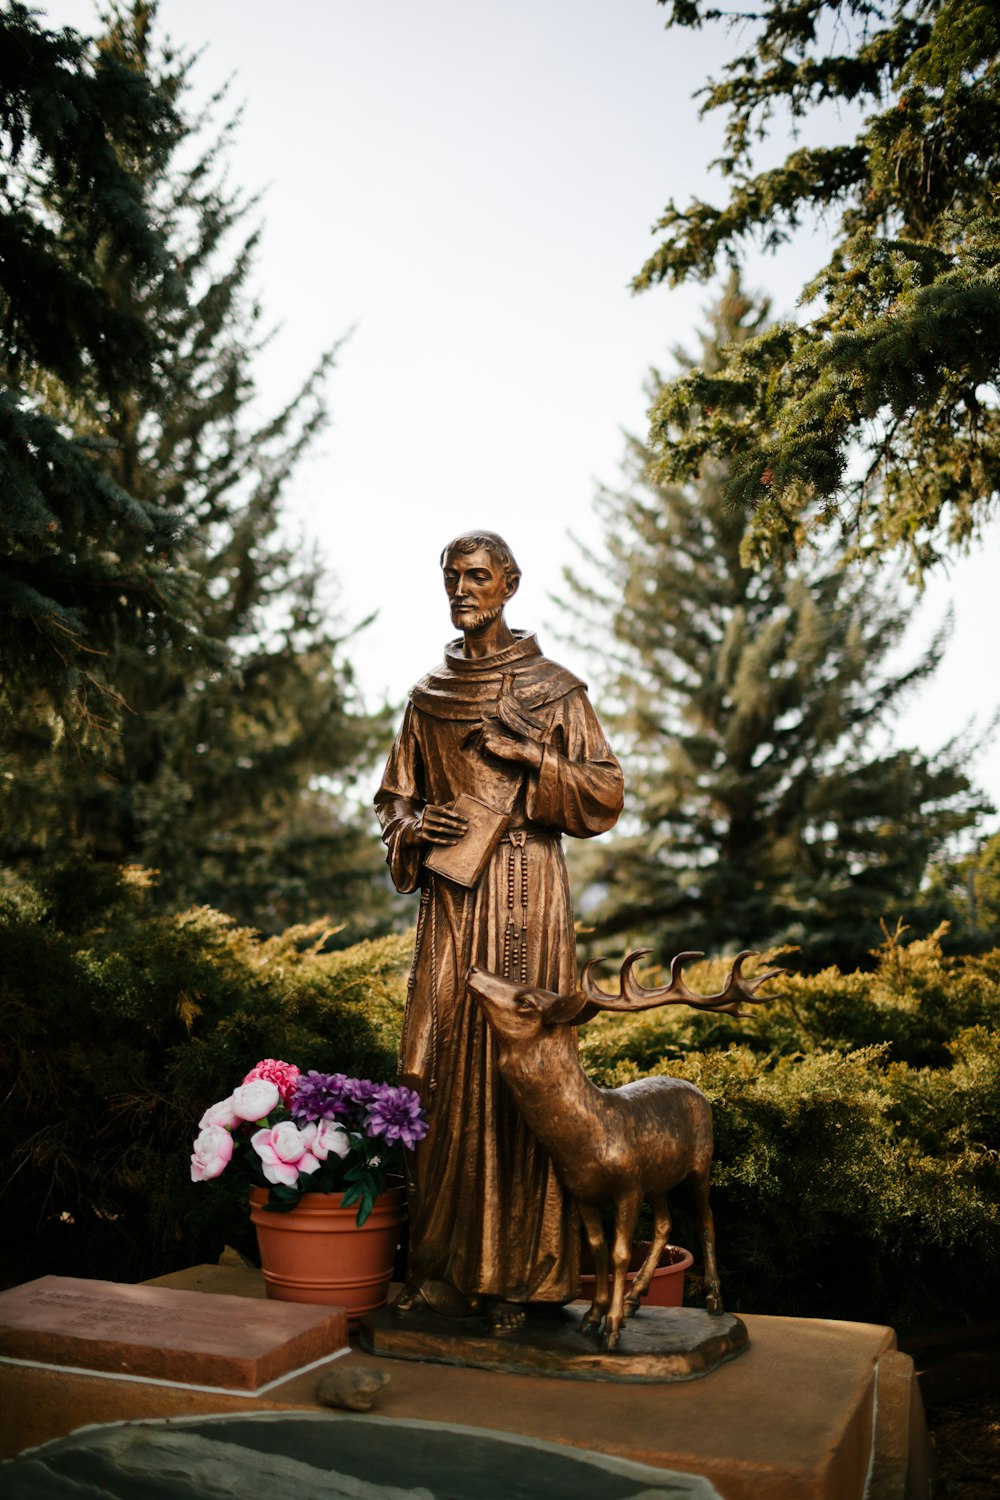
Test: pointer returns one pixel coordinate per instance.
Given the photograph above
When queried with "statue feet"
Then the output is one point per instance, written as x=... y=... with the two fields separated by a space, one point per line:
x=409 y=1298
x=506 y=1317
x=437 y=1296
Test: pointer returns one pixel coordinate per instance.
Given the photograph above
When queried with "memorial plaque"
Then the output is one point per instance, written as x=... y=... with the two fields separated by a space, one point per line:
x=155 y=1333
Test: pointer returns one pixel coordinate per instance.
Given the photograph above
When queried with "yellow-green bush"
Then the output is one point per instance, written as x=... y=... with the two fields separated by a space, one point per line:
x=857 y=1120
x=857 y=1127
x=118 y=1027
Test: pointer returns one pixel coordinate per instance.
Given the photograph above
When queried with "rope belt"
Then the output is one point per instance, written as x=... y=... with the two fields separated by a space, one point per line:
x=514 y=845
x=515 y=938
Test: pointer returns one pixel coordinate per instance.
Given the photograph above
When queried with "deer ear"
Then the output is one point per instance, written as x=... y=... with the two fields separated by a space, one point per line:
x=566 y=1010
x=586 y=1014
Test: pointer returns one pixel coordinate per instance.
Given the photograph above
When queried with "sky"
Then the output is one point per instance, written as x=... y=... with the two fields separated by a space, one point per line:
x=466 y=188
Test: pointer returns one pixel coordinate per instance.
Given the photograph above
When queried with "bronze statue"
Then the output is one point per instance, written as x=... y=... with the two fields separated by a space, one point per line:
x=499 y=754
x=612 y=1146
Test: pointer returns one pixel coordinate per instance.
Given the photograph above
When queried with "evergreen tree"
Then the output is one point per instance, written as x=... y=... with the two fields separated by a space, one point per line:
x=965 y=893
x=881 y=408
x=82 y=559
x=982 y=884
x=750 y=707
x=229 y=766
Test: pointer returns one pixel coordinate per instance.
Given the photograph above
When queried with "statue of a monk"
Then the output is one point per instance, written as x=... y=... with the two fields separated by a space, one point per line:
x=498 y=755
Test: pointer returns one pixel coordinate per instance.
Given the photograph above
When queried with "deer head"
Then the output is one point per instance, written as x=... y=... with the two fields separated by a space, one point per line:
x=517 y=1011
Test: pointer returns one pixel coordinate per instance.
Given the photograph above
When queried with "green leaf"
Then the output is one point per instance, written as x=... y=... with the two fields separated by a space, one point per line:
x=282 y=1198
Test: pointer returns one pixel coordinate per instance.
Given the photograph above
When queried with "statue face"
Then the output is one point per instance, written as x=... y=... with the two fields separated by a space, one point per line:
x=477 y=588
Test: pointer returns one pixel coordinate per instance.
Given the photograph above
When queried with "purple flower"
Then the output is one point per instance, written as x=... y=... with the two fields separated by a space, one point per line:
x=395 y=1113
x=321 y=1096
x=361 y=1090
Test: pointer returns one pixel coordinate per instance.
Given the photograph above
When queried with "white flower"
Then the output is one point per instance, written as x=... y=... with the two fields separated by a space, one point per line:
x=330 y=1137
x=213 y=1150
x=284 y=1152
x=222 y=1114
x=252 y=1101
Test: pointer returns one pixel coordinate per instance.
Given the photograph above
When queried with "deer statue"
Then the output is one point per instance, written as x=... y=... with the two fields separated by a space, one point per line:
x=612 y=1145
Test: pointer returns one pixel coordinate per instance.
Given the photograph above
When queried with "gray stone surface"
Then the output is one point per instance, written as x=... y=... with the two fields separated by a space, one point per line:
x=326 y=1458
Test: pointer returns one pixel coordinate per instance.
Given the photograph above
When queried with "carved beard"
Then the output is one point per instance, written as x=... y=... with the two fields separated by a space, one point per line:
x=482 y=617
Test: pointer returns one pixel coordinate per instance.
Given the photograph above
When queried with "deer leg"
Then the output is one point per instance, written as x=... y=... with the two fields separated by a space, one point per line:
x=594 y=1230
x=626 y=1213
x=706 y=1224
x=661 y=1232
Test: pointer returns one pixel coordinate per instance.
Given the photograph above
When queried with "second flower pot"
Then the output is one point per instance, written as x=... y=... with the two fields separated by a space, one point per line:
x=667 y=1286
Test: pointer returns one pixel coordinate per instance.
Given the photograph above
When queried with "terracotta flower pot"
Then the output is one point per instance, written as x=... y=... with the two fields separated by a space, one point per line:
x=667 y=1286
x=317 y=1253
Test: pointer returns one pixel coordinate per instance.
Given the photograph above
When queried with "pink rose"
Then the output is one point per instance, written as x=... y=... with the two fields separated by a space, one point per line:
x=285 y=1075
x=329 y=1137
x=212 y=1151
x=284 y=1153
x=252 y=1101
x=220 y=1114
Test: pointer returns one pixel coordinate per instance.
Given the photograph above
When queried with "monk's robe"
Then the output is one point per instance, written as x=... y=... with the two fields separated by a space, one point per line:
x=487 y=1214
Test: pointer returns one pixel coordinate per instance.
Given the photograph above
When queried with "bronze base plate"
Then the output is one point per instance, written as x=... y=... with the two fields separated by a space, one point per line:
x=656 y=1344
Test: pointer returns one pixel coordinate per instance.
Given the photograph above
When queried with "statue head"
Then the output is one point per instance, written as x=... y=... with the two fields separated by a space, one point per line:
x=480 y=575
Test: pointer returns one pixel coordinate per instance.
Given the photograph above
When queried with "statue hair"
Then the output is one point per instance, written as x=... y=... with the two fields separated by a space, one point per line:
x=471 y=541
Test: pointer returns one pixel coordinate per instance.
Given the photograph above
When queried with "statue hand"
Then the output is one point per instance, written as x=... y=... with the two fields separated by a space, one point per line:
x=439 y=825
x=506 y=746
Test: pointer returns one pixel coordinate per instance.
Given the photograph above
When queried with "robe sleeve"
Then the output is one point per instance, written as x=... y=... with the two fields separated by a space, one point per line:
x=579 y=787
x=399 y=802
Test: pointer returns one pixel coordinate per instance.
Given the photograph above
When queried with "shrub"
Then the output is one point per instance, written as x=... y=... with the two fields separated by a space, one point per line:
x=857 y=1124
x=119 y=1026
x=857 y=1120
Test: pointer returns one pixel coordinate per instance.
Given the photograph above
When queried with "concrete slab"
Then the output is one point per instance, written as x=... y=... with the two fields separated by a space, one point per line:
x=228 y=1281
x=794 y=1418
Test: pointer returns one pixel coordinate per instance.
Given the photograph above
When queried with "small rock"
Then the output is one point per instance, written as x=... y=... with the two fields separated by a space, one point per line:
x=233 y=1257
x=353 y=1388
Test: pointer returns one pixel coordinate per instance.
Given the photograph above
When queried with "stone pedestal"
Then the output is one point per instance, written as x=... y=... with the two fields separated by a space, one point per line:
x=813 y=1410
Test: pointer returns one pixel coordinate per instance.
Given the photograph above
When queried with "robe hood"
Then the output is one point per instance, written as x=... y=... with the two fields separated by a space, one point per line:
x=466 y=688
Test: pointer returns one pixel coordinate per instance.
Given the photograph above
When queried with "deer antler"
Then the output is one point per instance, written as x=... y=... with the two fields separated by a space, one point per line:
x=632 y=996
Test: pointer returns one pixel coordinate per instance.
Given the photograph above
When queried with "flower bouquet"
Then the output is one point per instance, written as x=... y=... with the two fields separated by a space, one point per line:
x=296 y=1133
